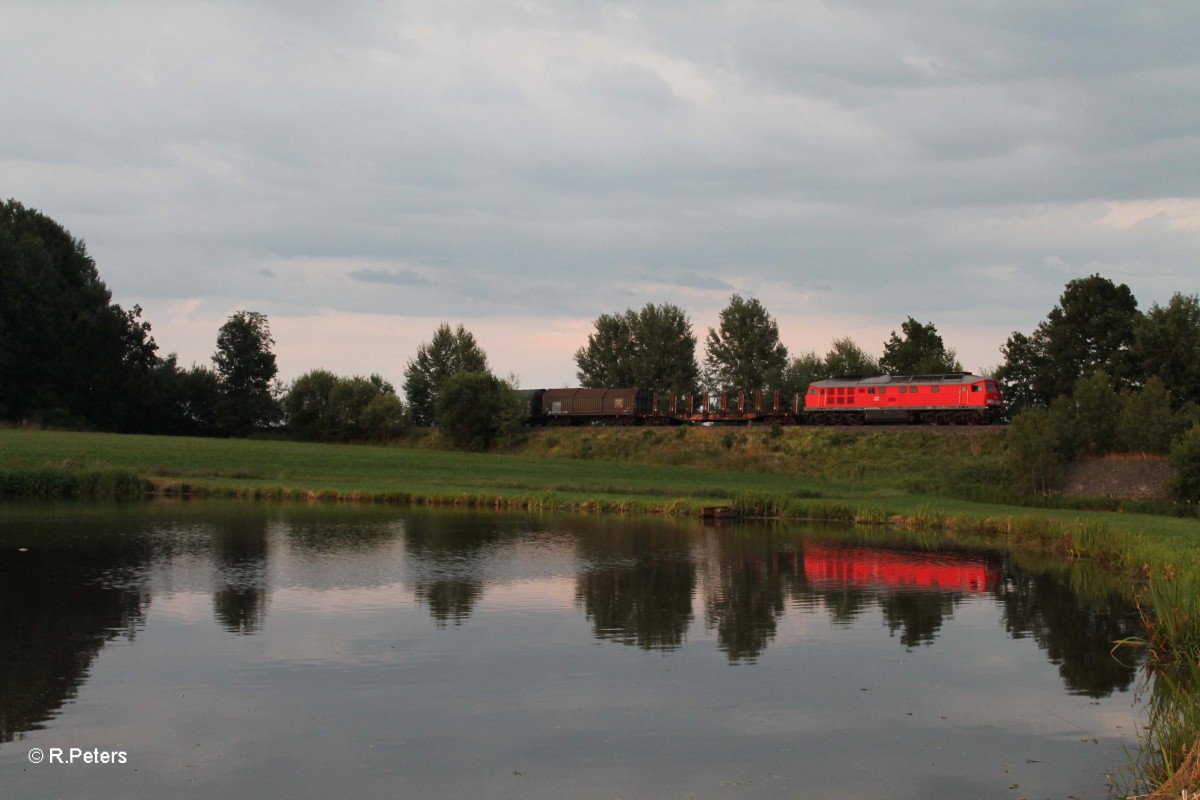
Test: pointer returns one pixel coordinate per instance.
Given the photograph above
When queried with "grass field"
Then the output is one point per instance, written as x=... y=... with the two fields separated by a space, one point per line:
x=868 y=476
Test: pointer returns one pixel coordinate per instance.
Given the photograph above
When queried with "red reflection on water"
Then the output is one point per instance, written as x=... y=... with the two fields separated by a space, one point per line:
x=893 y=570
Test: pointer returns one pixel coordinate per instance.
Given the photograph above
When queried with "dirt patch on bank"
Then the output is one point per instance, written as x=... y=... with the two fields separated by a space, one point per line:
x=1130 y=476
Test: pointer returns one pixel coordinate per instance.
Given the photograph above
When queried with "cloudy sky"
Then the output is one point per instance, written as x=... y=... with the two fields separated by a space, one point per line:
x=363 y=171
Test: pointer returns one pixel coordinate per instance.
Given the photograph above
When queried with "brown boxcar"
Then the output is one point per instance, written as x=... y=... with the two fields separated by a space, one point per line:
x=577 y=406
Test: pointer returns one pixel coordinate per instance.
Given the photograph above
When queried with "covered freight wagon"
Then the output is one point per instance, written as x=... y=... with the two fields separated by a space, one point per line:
x=584 y=406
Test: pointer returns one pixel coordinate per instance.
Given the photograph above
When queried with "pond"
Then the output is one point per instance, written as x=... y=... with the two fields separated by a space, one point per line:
x=222 y=650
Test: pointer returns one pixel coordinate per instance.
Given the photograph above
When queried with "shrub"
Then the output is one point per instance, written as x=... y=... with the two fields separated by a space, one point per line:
x=1184 y=460
x=1032 y=451
x=476 y=409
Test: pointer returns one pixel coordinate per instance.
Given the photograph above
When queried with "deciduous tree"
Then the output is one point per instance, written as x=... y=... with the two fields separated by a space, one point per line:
x=653 y=349
x=246 y=371
x=846 y=359
x=447 y=354
x=1148 y=422
x=1167 y=344
x=1184 y=460
x=68 y=354
x=920 y=352
x=306 y=405
x=800 y=372
x=1033 y=451
x=475 y=409
x=744 y=352
x=1091 y=328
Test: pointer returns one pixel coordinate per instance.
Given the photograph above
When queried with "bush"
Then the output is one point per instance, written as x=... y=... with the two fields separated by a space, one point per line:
x=384 y=418
x=477 y=409
x=1032 y=448
x=1184 y=484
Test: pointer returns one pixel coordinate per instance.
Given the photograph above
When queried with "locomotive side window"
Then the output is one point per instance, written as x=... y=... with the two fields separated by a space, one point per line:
x=903 y=390
x=935 y=388
x=975 y=387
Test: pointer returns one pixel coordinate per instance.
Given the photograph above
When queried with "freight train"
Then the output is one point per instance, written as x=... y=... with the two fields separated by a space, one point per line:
x=956 y=398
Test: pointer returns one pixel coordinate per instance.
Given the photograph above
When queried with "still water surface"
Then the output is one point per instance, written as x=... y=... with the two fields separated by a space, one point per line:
x=242 y=650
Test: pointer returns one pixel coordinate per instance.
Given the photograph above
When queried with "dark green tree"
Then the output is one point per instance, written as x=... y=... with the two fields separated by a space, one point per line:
x=246 y=373
x=306 y=405
x=385 y=418
x=348 y=402
x=1024 y=373
x=920 y=352
x=1184 y=460
x=183 y=402
x=1097 y=406
x=847 y=359
x=1148 y=422
x=1032 y=448
x=320 y=406
x=744 y=352
x=653 y=349
x=1167 y=344
x=1091 y=328
x=607 y=360
x=476 y=409
x=447 y=354
x=68 y=354
x=800 y=372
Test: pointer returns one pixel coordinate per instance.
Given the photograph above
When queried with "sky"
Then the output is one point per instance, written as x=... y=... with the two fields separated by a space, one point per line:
x=361 y=172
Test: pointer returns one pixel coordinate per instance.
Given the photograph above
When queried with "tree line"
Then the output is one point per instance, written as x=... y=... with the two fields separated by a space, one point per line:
x=70 y=357
x=1097 y=375
x=655 y=348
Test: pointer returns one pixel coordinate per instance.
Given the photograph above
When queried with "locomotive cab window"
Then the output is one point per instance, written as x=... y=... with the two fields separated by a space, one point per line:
x=975 y=387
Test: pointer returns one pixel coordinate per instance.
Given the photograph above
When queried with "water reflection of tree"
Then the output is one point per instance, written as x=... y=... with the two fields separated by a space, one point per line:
x=917 y=615
x=844 y=604
x=1077 y=633
x=447 y=552
x=239 y=550
x=755 y=574
x=637 y=588
x=61 y=604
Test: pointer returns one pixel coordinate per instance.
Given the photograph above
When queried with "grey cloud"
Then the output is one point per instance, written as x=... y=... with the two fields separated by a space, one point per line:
x=692 y=281
x=881 y=158
x=395 y=277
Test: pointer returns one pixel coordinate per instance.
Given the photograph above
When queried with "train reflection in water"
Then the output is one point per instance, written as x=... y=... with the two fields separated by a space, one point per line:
x=826 y=566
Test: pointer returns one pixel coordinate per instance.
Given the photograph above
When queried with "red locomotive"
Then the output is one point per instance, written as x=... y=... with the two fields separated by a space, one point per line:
x=957 y=398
